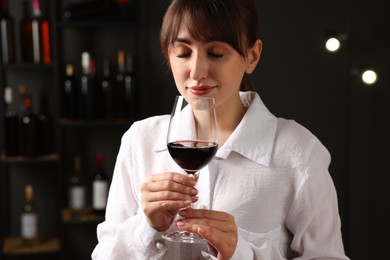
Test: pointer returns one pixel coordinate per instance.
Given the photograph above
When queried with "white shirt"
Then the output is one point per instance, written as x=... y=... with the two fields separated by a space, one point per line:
x=271 y=175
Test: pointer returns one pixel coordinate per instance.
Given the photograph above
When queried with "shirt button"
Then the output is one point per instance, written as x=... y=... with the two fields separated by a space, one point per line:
x=160 y=245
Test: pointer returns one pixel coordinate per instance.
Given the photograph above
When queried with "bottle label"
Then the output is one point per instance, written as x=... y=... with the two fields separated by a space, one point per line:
x=29 y=225
x=77 y=197
x=100 y=193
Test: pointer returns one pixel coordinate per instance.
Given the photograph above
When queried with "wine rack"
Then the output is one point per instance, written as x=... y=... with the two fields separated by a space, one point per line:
x=61 y=235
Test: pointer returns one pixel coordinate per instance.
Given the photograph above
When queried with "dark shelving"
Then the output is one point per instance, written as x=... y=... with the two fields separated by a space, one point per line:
x=49 y=172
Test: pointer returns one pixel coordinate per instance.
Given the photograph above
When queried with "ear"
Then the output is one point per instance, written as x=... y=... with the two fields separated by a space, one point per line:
x=254 y=56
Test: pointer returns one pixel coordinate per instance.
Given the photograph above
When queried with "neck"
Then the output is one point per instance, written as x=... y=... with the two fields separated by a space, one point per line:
x=229 y=116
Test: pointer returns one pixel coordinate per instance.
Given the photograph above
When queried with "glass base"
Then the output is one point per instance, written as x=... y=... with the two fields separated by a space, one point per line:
x=184 y=237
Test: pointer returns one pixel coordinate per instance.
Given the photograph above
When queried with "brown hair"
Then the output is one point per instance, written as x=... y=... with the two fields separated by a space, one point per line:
x=234 y=22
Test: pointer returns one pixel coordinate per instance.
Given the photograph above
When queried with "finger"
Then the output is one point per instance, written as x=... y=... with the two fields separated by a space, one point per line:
x=167 y=196
x=193 y=224
x=224 y=244
x=174 y=177
x=206 y=214
x=167 y=191
x=157 y=206
x=222 y=241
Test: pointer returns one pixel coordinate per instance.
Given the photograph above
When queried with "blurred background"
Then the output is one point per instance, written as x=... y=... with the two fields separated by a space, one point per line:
x=54 y=51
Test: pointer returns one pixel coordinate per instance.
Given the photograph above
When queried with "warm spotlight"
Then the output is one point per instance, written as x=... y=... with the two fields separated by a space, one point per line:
x=332 y=44
x=369 y=77
x=334 y=41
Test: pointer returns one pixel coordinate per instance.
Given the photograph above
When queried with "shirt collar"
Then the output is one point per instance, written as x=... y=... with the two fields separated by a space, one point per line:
x=253 y=138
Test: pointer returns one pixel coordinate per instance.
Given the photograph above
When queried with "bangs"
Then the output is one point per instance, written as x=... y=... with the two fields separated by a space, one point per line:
x=206 y=21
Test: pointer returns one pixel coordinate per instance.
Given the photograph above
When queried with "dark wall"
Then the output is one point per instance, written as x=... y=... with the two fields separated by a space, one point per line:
x=298 y=79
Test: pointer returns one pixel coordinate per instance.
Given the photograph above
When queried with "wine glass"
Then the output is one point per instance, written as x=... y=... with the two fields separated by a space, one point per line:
x=192 y=142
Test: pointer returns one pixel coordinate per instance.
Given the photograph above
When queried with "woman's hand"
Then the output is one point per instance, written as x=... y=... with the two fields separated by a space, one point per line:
x=218 y=228
x=164 y=194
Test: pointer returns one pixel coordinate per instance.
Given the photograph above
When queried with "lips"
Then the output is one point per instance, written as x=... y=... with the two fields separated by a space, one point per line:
x=201 y=91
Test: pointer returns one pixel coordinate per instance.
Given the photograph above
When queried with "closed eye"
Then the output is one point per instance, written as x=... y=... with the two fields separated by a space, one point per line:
x=215 y=55
x=184 y=55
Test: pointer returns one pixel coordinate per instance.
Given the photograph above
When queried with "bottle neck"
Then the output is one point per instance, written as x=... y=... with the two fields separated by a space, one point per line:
x=26 y=10
x=77 y=164
x=100 y=162
x=121 y=62
x=4 y=7
x=106 y=69
x=27 y=103
x=69 y=70
x=36 y=8
x=29 y=194
x=8 y=97
x=129 y=64
x=85 y=63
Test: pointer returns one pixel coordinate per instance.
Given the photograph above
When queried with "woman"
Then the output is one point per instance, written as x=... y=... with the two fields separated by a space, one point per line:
x=267 y=194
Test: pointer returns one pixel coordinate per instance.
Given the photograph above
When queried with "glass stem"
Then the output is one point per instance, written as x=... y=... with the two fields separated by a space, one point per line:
x=192 y=175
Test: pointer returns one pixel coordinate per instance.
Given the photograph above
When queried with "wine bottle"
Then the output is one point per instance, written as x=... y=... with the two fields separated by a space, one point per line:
x=99 y=186
x=29 y=219
x=28 y=141
x=35 y=35
x=69 y=94
x=77 y=195
x=44 y=131
x=6 y=35
x=87 y=87
x=119 y=87
x=10 y=124
x=106 y=86
x=129 y=82
x=44 y=28
x=26 y=34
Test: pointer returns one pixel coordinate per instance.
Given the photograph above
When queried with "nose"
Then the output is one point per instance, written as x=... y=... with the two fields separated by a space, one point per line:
x=199 y=67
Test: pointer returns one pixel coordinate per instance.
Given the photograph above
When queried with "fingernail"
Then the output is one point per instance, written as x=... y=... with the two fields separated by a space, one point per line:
x=195 y=198
x=180 y=224
x=201 y=231
x=194 y=191
x=182 y=213
x=192 y=182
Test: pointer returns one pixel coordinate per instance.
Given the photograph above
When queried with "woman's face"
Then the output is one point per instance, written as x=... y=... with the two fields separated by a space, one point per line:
x=211 y=69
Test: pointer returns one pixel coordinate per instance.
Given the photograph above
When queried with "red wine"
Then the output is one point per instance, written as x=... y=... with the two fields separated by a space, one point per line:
x=192 y=155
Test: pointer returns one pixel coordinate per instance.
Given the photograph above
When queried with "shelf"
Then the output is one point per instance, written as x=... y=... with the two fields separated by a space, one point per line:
x=102 y=36
x=15 y=246
x=24 y=159
x=93 y=123
x=97 y=23
x=85 y=216
x=25 y=66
